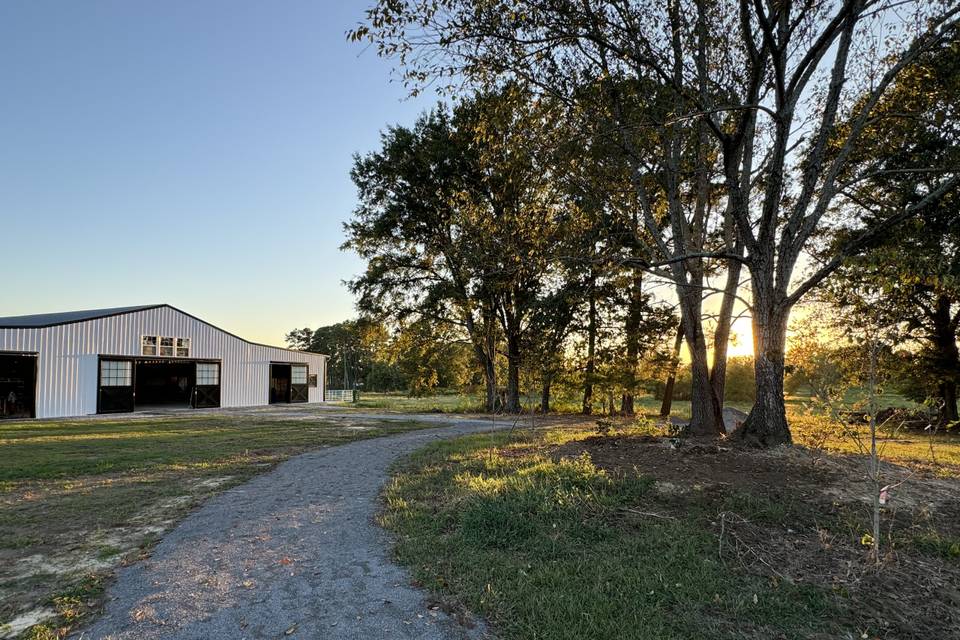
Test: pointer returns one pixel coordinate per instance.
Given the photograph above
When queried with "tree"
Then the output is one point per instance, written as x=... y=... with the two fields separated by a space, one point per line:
x=351 y=346
x=299 y=339
x=421 y=260
x=430 y=356
x=910 y=279
x=459 y=222
x=913 y=282
x=735 y=86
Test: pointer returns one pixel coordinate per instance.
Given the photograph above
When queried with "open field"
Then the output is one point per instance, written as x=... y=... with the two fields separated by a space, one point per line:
x=79 y=497
x=453 y=402
x=567 y=534
x=473 y=403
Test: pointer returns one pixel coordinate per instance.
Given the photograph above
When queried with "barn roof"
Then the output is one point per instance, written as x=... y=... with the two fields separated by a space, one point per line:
x=42 y=320
x=66 y=317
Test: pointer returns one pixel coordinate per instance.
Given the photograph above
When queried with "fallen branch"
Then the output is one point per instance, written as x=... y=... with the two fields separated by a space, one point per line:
x=648 y=513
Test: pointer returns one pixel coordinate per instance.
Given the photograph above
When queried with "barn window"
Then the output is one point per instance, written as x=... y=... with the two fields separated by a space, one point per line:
x=116 y=373
x=183 y=347
x=208 y=373
x=148 y=345
x=166 y=346
x=298 y=375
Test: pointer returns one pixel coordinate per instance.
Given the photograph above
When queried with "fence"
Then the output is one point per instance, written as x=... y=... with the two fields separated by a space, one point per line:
x=339 y=395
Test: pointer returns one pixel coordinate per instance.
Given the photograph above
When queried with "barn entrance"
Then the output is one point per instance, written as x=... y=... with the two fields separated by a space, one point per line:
x=288 y=383
x=164 y=384
x=148 y=384
x=18 y=379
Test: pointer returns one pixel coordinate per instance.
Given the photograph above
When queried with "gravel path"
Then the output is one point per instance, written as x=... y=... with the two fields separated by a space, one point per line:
x=293 y=553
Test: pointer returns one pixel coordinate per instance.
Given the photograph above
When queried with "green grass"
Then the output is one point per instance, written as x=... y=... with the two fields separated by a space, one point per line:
x=70 y=448
x=453 y=402
x=548 y=549
x=570 y=403
x=436 y=403
x=83 y=494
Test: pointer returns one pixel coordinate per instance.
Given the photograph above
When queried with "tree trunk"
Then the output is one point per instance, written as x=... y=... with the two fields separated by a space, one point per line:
x=766 y=426
x=948 y=393
x=484 y=343
x=946 y=360
x=721 y=336
x=490 y=378
x=545 y=395
x=626 y=404
x=705 y=417
x=591 y=354
x=631 y=329
x=667 y=403
x=513 y=374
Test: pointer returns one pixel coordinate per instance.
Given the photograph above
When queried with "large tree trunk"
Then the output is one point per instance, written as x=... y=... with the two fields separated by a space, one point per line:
x=946 y=360
x=631 y=327
x=721 y=336
x=948 y=395
x=667 y=403
x=545 y=395
x=485 y=350
x=591 y=355
x=705 y=417
x=490 y=379
x=766 y=426
x=513 y=374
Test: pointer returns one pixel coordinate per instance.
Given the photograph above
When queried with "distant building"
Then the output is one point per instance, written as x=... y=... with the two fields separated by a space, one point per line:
x=141 y=358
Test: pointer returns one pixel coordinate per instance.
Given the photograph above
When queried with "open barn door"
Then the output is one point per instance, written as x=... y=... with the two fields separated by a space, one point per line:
x=18 y=382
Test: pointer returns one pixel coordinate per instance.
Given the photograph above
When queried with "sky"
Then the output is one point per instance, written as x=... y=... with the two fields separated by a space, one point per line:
x=189 y=153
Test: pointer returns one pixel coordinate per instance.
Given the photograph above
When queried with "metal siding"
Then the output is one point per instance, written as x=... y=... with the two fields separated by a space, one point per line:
x=67 y=363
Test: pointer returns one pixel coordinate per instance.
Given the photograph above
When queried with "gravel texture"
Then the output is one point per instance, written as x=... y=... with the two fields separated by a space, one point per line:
x=293 y=553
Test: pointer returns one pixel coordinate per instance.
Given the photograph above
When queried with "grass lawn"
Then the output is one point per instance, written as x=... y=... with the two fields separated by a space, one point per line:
x=567 y=534
x=452 y=402
x=473 y=403
x=80 y=497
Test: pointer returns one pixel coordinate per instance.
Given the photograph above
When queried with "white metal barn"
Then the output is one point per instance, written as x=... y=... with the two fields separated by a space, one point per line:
x=141 y=358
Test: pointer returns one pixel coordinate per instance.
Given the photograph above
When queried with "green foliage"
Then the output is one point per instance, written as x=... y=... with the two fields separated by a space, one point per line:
x=740 y=386
x=909 y=279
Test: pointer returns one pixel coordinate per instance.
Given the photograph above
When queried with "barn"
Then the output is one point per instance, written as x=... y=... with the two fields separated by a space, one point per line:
x=141 y=359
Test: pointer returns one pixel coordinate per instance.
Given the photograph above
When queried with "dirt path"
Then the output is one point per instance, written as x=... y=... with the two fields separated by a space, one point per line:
x=294 y=553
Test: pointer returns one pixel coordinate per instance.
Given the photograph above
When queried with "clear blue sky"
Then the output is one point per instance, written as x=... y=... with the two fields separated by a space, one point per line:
x=194 y=153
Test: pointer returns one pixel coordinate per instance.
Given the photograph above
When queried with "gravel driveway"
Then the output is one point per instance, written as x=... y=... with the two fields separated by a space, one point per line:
x=293 y=553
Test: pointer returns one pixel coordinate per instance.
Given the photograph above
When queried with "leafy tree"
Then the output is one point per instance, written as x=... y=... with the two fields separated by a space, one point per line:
x=460 y=220
x=352 y=347
x=421 y=258
x=430 y=357
x=910 y=279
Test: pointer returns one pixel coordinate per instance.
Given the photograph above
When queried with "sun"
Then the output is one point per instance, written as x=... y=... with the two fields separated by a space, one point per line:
x=741 y=338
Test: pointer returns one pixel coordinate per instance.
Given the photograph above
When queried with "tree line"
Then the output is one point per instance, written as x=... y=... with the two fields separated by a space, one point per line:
x=748 y=154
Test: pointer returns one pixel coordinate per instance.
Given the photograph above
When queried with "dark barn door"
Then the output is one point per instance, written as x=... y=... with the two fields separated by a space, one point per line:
x=279 y=383
x=18 y=382
x=115 y=386
x=206 y=393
